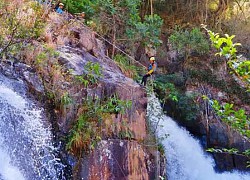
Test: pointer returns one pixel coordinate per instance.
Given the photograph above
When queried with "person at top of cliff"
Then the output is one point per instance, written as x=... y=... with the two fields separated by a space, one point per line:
x=80 y=16
x=151 y=69
x=59 y=9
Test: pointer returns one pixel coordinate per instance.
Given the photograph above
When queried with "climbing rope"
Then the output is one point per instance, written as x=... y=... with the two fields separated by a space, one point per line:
x=135 y=61
x=101 y=37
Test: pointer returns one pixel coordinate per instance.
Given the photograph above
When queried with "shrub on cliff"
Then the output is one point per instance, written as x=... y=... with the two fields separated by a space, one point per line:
x=20 y=22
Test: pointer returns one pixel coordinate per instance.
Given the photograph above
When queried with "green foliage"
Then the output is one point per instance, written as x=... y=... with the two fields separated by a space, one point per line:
x=161 y=148
x=242 y=69
x=246 y=152
x=39 y=24
x=41 y=57
x=237 y=119
x=224 y=150
x=47 y=54
x=248 y=164
x=187 y=107
x=126 y=133
x=87 y=131
x=228 y=49
x=121 y=20
x=92 y=75
x=167 y=90
x=127 y=67
x=93 y=72
x=149 y=30
x=224 y=44
x=84 y=135
x=66 y=99
x=185 y=41
x=177 y=79
x=78 y=6
x=162 y=178
x=50 y=95
x=207 y=77
x=19 y=23
x=165 y=86
x=116 y=105
x=231 y=151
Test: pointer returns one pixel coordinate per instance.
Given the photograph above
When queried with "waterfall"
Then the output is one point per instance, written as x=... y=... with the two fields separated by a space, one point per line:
x=186 y=159
x=7 y=171
x=26 y=141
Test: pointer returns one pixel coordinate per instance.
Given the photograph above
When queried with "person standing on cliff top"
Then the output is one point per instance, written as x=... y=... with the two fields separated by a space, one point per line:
x=151 y=70
x=59 y=10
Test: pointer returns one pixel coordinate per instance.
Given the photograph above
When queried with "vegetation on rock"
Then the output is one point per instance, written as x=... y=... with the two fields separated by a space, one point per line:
x=31 y=34
x=88 y=128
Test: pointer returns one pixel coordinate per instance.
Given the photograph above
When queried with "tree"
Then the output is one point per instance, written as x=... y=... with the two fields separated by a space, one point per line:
x=19 y=22
x=185 y=42
x=121 y=21
x=237 y=65
x=78 y=6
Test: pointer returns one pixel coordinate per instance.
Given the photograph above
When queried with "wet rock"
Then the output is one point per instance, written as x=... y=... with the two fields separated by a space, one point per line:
x=213 y=132
x=14 y=69
x=7 y=68
x=241 y=162
x=218 y=135
x=34 y=82
x=229 y=162
x=237 y=140
x=21 y=68
x=118 y=159
x=223 y=161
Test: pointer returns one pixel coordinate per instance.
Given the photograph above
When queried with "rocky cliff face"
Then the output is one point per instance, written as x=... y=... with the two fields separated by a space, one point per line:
x=116 y=156
x=118 y=159
x=201 y=76
x=218 y=134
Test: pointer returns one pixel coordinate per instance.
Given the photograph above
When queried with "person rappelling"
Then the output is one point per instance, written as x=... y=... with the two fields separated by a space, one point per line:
x=151 y=69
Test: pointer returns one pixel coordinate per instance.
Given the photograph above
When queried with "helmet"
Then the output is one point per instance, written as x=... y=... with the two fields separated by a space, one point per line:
x=61 y=4
x=152 y=59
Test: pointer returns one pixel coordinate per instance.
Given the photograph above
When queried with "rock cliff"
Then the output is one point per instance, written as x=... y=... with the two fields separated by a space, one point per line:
x=121 y=153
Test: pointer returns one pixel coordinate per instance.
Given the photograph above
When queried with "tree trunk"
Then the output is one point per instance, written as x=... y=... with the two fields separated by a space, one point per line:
x=114 y=38
x=114 y=33
x=151 y=7
x=218 y=15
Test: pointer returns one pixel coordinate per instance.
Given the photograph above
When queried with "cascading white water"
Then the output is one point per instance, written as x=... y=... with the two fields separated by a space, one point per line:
x=8 y=171
x=186 y=159
x=26 y=149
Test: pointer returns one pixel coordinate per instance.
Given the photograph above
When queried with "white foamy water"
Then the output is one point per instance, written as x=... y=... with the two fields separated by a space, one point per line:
x=186 y=159
x=7 y=170
x=26 y=149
